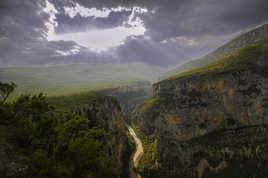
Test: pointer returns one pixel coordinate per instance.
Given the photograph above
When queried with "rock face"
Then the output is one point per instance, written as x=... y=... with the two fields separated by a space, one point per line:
x=196 y=119
x=224 y=101
x=106 y=113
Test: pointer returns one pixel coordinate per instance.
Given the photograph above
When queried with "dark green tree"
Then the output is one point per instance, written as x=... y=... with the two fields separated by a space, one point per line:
x=5 y=90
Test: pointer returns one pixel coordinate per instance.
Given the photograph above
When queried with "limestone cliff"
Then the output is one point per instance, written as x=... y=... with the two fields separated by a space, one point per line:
x=191 y=116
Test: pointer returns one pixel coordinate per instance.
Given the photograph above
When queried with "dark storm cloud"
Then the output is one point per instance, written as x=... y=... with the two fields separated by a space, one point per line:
x=211 y=17
x=193 y=17
x=177 y=30
x=21 y=23
x=22 y=20
x=209 y=22
x=151 y=52
x=22 y=35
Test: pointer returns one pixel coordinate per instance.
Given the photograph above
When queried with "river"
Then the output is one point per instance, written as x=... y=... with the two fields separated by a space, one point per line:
x=136 y=156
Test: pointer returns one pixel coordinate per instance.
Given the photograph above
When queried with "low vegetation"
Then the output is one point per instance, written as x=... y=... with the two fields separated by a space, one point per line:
x=255 y=35
x=240 y=60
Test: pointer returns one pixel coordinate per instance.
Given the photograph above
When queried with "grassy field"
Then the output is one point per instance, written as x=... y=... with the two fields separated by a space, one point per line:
x=255 y=35
x=66 y=79
x=242 y=59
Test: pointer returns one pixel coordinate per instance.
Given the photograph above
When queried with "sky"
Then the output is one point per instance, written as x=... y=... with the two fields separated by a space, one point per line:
x=157 y=32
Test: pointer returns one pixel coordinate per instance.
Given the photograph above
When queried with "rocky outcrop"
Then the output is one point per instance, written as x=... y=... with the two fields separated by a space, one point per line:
x=197 y=116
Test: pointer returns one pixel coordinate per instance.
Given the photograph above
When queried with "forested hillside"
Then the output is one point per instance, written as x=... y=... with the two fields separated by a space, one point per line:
x=85 y=137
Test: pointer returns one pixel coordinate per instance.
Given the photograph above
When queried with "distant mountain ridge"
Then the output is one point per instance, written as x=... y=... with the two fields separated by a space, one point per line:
x=66 y=79
x=255 y=35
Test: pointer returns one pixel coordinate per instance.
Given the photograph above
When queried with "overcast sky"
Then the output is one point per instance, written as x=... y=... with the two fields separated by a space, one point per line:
x=157 y=32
